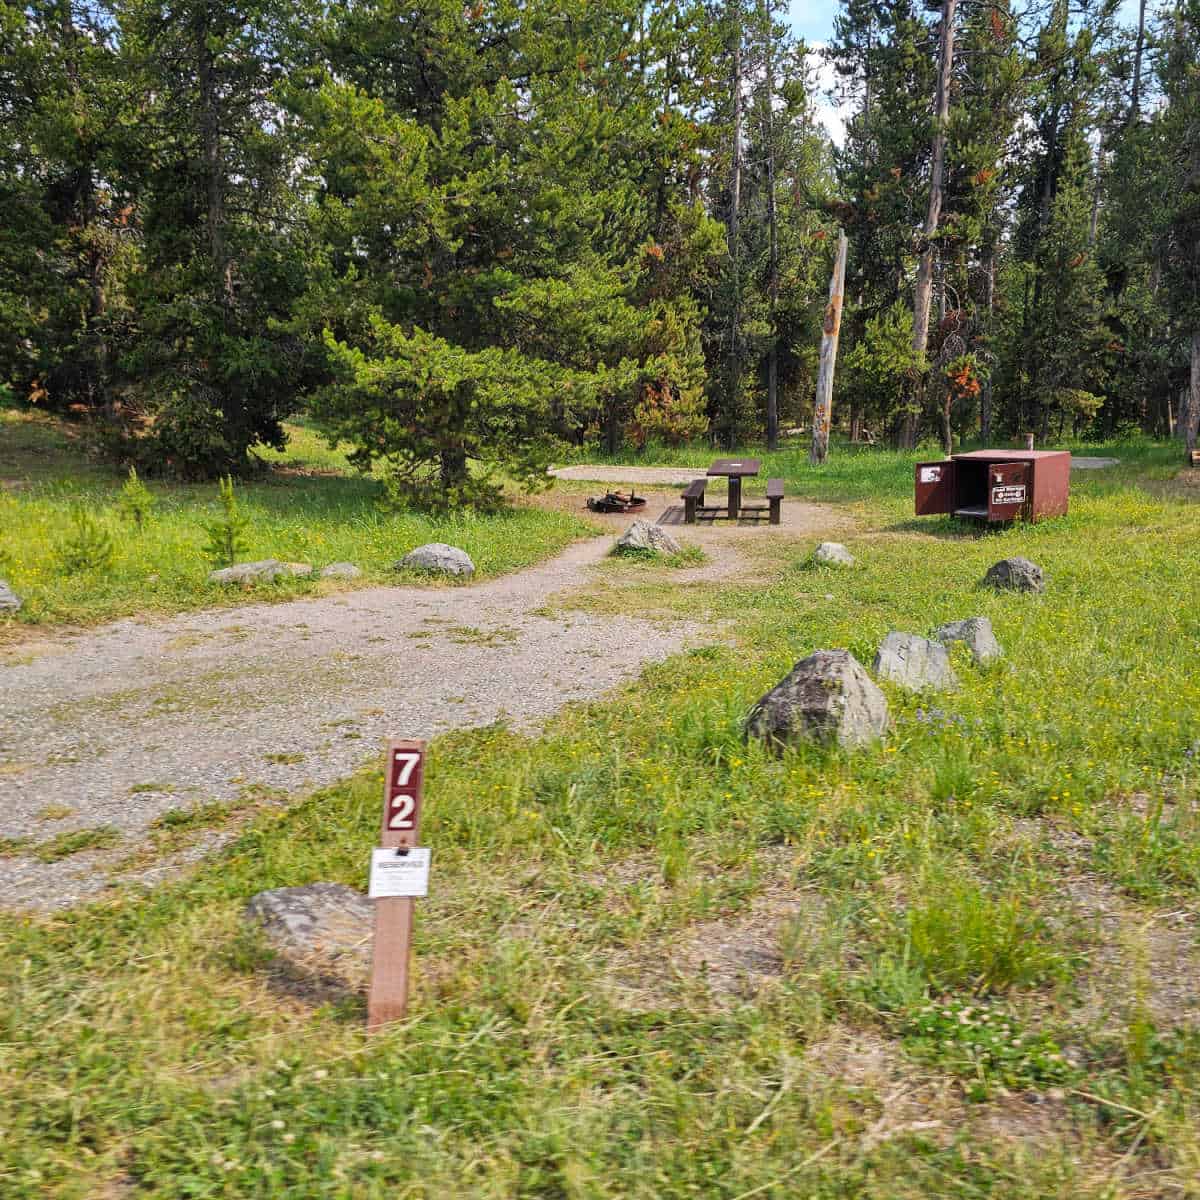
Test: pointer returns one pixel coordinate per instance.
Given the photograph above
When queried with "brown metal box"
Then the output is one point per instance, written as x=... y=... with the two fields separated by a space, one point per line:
x=996 y=485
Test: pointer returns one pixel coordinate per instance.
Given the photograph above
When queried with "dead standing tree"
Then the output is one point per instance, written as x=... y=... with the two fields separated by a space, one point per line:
x=823 y=409
x=923 y=291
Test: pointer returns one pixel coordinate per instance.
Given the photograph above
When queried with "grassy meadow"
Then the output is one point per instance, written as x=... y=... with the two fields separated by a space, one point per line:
x=308 y=507
x=657 y=961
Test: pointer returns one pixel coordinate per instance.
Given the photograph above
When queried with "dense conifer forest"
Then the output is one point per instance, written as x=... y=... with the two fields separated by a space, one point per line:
x=464 y=235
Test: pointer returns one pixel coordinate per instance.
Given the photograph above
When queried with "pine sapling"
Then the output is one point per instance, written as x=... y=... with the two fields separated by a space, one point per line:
x=227 y=534
x=137 y=501
x=88 y=547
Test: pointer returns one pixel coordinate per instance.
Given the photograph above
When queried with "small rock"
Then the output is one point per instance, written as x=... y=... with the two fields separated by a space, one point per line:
x=833 y=554
x=9 y=600
x=915 y=663
x=437 y=556
x=645 y=535
x=1015 y=574
x=976 y=633
x=340 y=570
x=827 y=696
x=321 y=927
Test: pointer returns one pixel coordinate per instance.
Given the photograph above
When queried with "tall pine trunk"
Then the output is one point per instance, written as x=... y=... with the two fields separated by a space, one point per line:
x=923 y=292
x=735 y=206
x=1190 y=418
x=772 y=238
x=989 y=305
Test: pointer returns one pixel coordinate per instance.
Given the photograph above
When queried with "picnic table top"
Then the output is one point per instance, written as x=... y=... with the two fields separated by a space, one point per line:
x=734 y=466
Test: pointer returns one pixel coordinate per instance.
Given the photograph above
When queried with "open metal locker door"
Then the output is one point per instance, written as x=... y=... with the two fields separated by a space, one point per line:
x=936 y=487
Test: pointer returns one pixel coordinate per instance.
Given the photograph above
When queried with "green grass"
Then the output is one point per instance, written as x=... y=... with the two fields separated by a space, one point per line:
x=308 y=508
x=589 y=880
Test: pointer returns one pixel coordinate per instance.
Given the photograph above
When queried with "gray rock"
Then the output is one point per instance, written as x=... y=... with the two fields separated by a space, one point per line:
x=340 y=570
x=915 y=663
x=322 y=928
x=9 y=600
x=437 y=557
x=828 y=697
x=646 y=535
x=976 y=634
x=265 y=570
x=833 y=554
x=1015 y=574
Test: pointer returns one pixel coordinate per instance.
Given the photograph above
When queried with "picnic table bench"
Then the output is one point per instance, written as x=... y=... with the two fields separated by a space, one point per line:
x=772 y=506
x=693 y=500
x=693 y=495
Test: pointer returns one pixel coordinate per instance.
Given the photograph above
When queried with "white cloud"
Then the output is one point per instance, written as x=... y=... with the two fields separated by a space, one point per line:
x=831 y=115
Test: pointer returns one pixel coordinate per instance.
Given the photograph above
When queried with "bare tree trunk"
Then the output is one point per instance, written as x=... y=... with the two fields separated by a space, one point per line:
x=823 y=408
x=773 y=238
x=1135 y=94
x=735 y=205
x=923 y=291
x=1094 y=223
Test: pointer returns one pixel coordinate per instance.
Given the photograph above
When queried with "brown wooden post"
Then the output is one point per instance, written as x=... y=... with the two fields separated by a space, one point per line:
x=823 y=408
x=403 y=781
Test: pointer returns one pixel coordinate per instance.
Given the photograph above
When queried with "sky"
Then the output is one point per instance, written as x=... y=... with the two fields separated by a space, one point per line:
x=812 y=20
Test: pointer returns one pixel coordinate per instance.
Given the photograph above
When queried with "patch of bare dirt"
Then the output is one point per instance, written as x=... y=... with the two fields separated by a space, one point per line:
x=730 y=958
x=1137 y=957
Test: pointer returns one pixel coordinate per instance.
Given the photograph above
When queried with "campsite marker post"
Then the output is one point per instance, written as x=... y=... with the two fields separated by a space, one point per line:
x=399 y=871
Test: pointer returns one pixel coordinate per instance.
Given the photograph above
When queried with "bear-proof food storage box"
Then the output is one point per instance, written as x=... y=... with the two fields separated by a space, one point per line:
x=996 y=485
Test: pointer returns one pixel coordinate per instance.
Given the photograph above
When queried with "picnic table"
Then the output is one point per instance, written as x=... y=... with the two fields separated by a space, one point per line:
x=735 y=470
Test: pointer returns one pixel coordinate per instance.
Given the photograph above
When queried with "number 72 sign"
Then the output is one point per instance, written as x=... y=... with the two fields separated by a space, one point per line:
x=405 y=774
x=387 y=999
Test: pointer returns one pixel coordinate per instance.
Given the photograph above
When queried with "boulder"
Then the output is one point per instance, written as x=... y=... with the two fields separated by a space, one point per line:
x=439 y=558
x=915 y=663
x=647 y=536
x=9 y=600
x=264 y=571
x=300 y=570
x=320 y=928
x=1015 y=574
x=827 y=697
x=976 y=634
x=340 y=570
x=833 y=554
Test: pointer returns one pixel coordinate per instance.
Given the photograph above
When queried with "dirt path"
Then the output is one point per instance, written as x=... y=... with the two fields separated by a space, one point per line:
x=117 y=726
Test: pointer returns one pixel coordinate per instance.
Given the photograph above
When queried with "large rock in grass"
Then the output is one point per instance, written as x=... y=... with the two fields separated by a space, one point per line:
x=9 y=600
x=266 y=570
x=439 y=559
x=321 y=929
x=826 y=697
x=340 y=570
x=1015 y=575
x=915 y=663
x=976 y=634
x=833 y=554
x=647 y=537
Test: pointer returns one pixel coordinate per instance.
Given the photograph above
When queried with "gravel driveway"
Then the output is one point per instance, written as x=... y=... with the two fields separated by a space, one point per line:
x=116 y=726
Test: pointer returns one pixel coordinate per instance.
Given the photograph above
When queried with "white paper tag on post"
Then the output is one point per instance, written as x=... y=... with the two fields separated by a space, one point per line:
x=395 y=874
